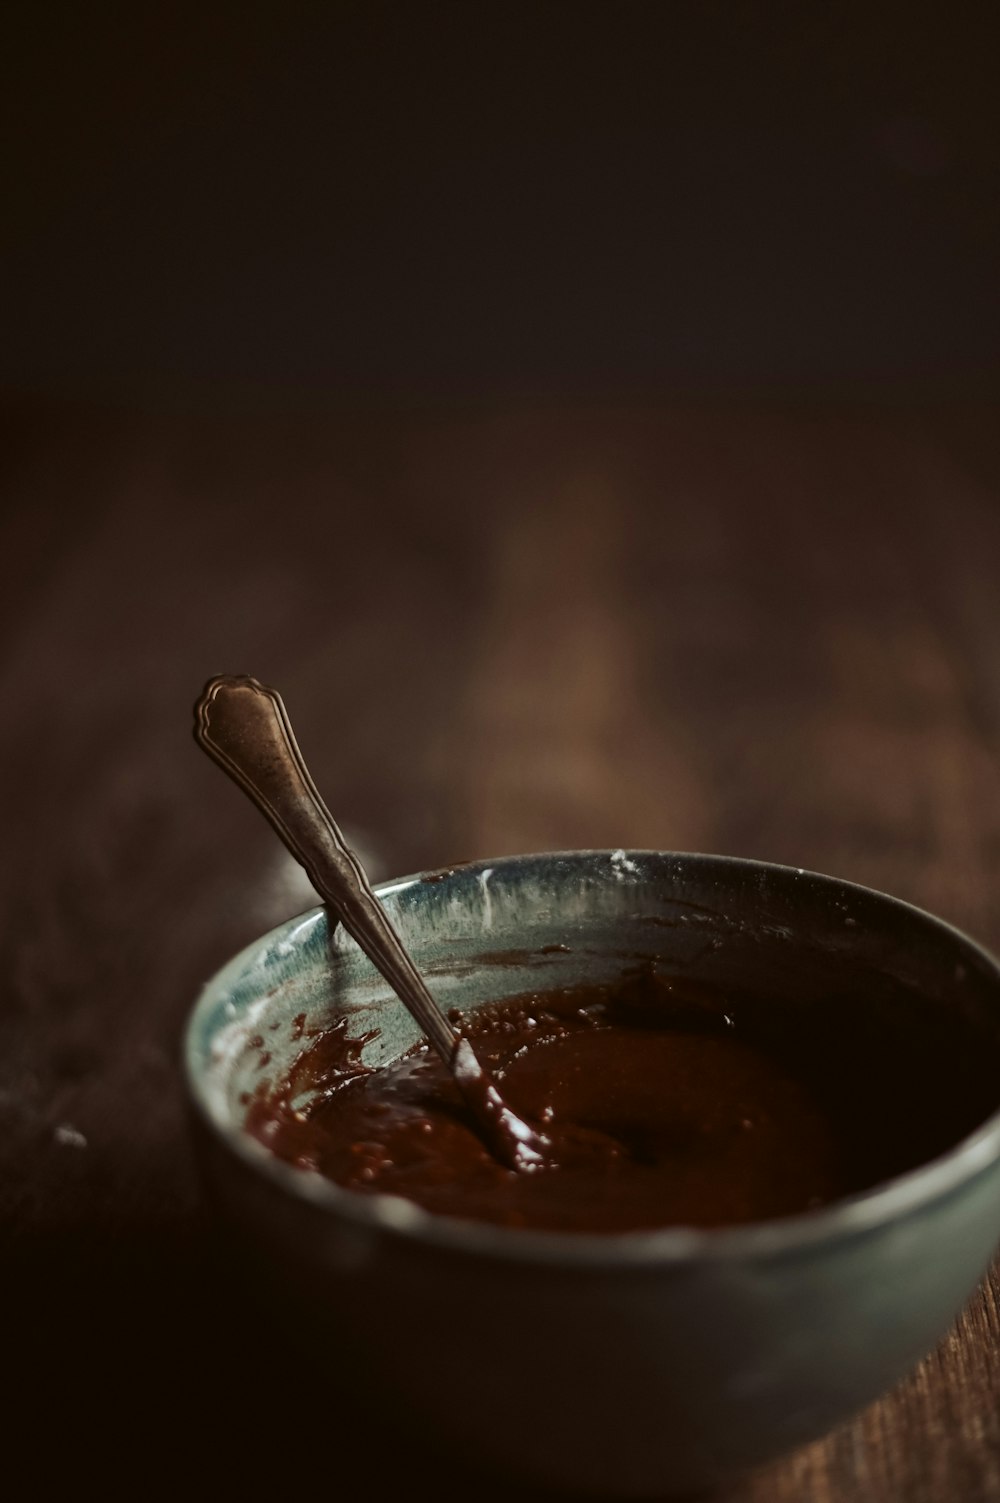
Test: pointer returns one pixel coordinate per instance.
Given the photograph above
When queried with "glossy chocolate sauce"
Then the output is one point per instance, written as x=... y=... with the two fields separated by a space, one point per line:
x=667 y=1103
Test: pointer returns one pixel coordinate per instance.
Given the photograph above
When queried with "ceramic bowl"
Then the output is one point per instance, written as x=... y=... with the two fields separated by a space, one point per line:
x=630 y=1364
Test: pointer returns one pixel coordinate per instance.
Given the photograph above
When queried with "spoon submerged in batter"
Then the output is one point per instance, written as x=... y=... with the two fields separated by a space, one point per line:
x=244 y=727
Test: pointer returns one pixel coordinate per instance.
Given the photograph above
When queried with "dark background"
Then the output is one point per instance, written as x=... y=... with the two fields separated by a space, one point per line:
x=211 y=202
x=586 y=416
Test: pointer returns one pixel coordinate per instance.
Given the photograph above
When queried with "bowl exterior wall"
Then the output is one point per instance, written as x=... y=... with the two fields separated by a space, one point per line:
x=649 y=1380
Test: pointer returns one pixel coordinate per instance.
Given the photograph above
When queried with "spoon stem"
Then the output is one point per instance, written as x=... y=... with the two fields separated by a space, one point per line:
x=244 y=727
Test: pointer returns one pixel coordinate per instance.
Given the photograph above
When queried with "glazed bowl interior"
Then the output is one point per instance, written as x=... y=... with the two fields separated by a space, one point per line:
x=903 y=1009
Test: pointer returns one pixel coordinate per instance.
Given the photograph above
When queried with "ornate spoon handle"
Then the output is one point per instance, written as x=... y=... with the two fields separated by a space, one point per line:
x=244 y=727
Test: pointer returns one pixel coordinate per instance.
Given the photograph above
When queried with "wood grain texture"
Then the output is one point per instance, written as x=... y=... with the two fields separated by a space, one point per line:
x=769 y=632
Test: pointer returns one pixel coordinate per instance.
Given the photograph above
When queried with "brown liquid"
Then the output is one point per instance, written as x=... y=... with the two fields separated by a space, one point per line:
x=667 y=1103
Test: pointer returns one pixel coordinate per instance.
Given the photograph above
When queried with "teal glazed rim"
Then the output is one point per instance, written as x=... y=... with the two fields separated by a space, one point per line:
x=850 y=1217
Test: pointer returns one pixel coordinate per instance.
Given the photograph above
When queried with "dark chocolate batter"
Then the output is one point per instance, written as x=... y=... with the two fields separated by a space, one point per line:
x=668 y=1104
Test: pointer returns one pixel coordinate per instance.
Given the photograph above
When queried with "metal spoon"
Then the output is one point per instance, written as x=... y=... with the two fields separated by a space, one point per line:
x=244 y=727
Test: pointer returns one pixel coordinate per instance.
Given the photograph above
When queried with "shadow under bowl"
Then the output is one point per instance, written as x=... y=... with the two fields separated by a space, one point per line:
x=645 y=1362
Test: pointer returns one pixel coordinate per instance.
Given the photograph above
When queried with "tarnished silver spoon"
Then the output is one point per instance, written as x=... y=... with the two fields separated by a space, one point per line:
x=245 y=728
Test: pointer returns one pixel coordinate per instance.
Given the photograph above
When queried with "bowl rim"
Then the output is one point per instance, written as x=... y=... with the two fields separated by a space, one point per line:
x=843 y=1219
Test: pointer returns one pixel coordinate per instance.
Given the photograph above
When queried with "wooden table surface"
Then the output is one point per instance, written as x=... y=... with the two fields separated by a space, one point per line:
x=766 y=630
